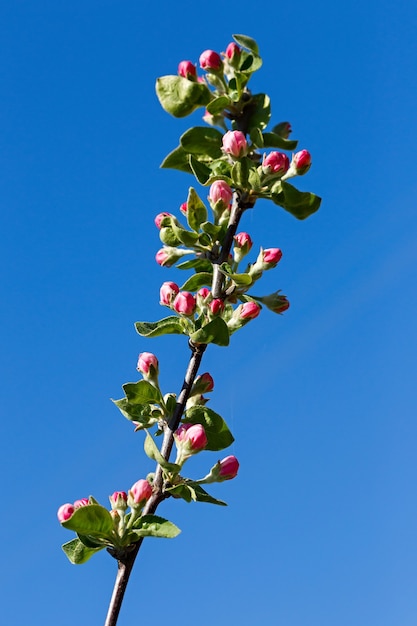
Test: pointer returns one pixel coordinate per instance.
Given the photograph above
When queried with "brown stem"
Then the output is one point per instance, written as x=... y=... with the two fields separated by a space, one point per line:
x=126 y=561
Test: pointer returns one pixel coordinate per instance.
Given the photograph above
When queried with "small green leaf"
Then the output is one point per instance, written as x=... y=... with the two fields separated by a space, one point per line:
x=144 y=414
x=197 y=280
x=92 y=519
x=202 y=140
x=141 y=392
x=218 y=105
x=272 y=140
x=215 y=332
x=77 y=552
x=177 y=160
x=186 y=237
x=217 y=431
x=199 y=265
x=256 y=138
x=196 y=210
x=200 y=170
x=181 y=491
x=260 y=111
x=90 y=542
x=240 y=173
x=249 y=63
x=301 y=204
x=180 y=96
x=155 y=526
x=151 y=450
x=212 y=230
x=247 y=42
x=171 y=325
x=201 y=495
x=241 y=280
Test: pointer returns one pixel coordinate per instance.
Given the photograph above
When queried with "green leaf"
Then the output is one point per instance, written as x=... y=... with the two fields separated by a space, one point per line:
x=260 y=111
x=151 y=450
x=301 y=204
x=272 y=140
x=171 y=325
x=241 y=280
x=215 y=332
x=247 y=42
x=155 y=526
x=186 y=237
x=177 y=160
x=180 y=96
x=181 y=491
x=144 y=414
x=77 y=552
x=202 y=140
x=257 y=138
x=199 y=265
x=196 y=210
x=217 y=431
x=90 y=542
x=201 y=495
x=197 y=280
x=141 y=392
x=240 y=173
x=218 y=105
x=200 y=170
x=92 y=519
x=249 y=63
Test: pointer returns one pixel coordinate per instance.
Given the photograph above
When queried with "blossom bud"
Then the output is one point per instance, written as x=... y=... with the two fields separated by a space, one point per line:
x=243 y=244
x=202 y=384
x=301 y=162
x=189 y=439
x=160 y=217
x=235 y=144
x=228 y=468
x=186 y=69
x=210 y=61
x=167 y=293
x=139 y=493
x=216 y=306
x=184 y=208
x=184 y=303
x=249 y=310
x=283 y=129
x=276 y=163
x=233 y=52
x=220 y=192
x=203 y=292
x=79 y=503
x=282 y=306
x=168 y=255
x=271 y=256
x=118 y=500
x=276 y=302
x=148 y=365
x=65 y=512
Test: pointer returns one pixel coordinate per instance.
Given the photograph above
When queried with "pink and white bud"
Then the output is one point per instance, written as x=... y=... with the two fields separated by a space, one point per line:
x=184 y=208
x=228 y=468
x=203 y=293
x=159 y=218
x=301 y=162
x=233 y=51
x=65 y=512
x=203 y=384
x=271 y=256
x=243 y=244
x=168 y=255
x=148 y=365
x=276 y=163
x=186 y=69
x=221 y=193
x=139 y=493
x=167 y=293
x=235 y=144
x=210 y=61
x=82 y=502
x=118 y=500
x=249 y=310
x=189 y=439
x=184 y=303
x=216 y=306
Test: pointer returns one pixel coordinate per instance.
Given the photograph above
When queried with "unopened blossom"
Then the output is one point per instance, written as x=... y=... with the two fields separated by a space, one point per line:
x=271 y=256
x=140 y=492
x=243 y=244
x=189 y=439
x=160 y=217
x=216 y=306
x=249 y=310
x=276 y=163
x=210 y=60
x=65 y=511
x=232 y=51
x=186 y=69
x=220 y=191
x=301 y=162
x=118 y=500
x=184 y=208
x=82 y=502
x=235 y=144
x=167 y=293
x=283 y=129
x=228 y=468
x=147 y=364
x=203 y=384
x=184 y=303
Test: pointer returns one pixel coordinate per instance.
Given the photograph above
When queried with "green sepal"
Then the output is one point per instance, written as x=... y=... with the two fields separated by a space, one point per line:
x=171 y=325
x=77 y=552
x=217 y=431
x=177 y=160
x=197 y=280
x=196 y=210
x=200 y=170
x=92 y=519
x=151 y=450
x=218 y=105
x=186 y=237
x=301 y=204
x=180 y=96
x=272 y=140
x=168 y=236
x=215 y=332
x=202 y=140
x=155 y=526
x=247 y=42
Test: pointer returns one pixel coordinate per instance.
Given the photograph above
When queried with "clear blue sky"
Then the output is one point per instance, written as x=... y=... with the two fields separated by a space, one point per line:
x=321 y=524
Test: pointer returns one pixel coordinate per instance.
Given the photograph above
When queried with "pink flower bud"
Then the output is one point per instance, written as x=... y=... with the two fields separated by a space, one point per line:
x=229 y=467
x=203 y=292
x=302 y=162
x=79 y=503
x=160 y=217
x=140 y=492
x=186 y=69
x=210 y=60
x=206 y=382
x=184 y=303
x=282 y=306
x=118 y=500
x=147 y=364
x=242 y=246
x=168 y=255
x=167 y=293
x=235 y=144
x=271 y=256
x=191 y=437
x=216 y=306
x=249 y=310
x=275 y=163
x=65 y=512
x=220 y=190
x=184 y=208
x=162 y=257
x=232 y=51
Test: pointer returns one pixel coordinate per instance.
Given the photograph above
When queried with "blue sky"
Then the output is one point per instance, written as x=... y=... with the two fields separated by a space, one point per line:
x=320 y=528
